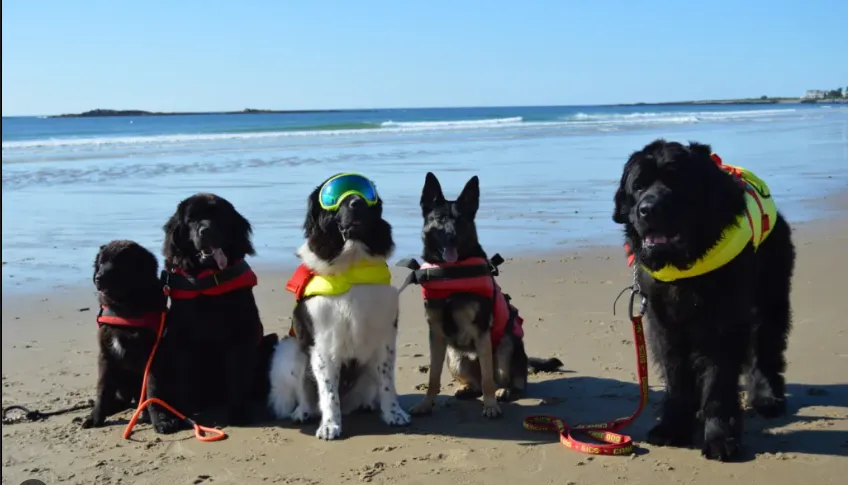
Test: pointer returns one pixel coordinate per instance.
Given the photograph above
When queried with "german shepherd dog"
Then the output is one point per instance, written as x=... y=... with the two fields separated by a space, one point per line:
x=462 y=324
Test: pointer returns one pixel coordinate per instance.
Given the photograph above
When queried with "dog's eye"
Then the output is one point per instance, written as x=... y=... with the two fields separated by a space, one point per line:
x=637 y=187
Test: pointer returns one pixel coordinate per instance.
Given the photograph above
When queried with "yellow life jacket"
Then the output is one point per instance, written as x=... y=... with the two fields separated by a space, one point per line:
x=304 y=282
x=753 y=226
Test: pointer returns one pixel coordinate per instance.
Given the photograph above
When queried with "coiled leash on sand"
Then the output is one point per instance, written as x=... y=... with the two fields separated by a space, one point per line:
x=32 y=416
x=611 y=443
x=202 y=433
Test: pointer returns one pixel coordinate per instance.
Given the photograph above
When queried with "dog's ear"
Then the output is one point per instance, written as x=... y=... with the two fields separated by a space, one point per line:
x=243 y=232
x=469 y=198
x=621 y=213
x=175 y=234
x=313 y=211
x=700 y=150
x=431 y=194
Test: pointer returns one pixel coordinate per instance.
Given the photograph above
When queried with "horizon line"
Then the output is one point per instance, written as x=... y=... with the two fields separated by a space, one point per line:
x=326 y=110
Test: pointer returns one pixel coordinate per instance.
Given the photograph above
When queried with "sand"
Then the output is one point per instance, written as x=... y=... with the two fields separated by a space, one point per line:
x=49 y=351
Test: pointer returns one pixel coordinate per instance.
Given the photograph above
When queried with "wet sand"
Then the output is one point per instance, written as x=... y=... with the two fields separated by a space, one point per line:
x=49 y=349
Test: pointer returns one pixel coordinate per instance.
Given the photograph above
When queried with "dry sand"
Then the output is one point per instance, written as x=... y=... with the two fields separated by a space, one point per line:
x=566 y=299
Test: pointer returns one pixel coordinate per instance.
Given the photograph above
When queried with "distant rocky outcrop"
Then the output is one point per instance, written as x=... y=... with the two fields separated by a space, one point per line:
x=104 y=113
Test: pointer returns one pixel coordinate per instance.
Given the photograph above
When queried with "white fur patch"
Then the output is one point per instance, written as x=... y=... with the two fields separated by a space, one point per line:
x=117 y=349
x=358 y=325
x=352 y=252
x=288 y=368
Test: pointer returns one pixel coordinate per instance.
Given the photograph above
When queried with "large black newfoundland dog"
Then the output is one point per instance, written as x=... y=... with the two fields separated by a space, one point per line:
x=131 y=304
x=716 y=273
x=211 y=348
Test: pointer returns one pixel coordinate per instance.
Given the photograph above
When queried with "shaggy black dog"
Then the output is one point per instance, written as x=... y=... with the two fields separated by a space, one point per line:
x=676 y=204
x=131 y=304
x=213 y=326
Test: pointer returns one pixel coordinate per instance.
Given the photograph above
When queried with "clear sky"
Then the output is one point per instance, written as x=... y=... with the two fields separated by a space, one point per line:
x=190 y=55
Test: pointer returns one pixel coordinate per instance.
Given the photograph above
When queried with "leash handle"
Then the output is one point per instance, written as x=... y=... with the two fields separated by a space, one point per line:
x=202 y=433
x=611 y=443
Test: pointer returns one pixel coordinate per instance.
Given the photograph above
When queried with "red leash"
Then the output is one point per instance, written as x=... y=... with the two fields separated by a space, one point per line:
x=202 y=433
x=612 y=443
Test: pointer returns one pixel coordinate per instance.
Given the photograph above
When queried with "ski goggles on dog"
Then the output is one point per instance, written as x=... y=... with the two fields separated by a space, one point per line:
x=335 y=190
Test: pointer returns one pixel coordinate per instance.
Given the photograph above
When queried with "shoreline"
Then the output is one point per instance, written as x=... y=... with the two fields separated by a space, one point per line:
x=112 y=113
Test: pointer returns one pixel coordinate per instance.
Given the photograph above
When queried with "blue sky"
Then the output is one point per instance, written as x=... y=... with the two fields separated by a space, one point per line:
x=69 y=56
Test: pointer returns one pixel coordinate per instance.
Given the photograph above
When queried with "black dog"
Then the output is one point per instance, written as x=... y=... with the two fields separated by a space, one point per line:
x=470 y=320
x=131 y=304
x=716 y=308
x=213 y=326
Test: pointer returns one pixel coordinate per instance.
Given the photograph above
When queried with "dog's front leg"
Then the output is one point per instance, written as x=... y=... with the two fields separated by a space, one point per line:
x=104 y=404
x=438 y=349
x=720 y=407
x=390 y=409
x=487 y=375
x=326 y=373
x=240 y=362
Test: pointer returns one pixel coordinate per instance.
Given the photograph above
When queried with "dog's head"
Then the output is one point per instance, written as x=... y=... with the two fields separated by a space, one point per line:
x=206 y=231
x=675 y=202
x=344 y=223
x=449 y=232
x=125 y=271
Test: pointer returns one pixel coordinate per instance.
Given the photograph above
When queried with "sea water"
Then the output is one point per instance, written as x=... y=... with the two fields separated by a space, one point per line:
x=547 y=174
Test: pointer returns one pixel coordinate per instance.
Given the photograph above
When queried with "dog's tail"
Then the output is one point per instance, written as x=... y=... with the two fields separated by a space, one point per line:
x=537 y=364
x=264 y=354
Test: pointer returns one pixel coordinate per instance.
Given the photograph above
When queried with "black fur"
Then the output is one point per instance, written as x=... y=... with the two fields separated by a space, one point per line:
x=212 y=341
x=707 y=330
x=127 y=281
x=323 y=229
x=450 y=234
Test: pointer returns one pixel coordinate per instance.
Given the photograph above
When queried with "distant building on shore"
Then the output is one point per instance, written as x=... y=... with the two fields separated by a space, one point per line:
x=814 y=94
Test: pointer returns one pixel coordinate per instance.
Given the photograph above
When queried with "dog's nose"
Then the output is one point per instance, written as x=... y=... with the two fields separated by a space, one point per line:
x=355 y=202
x=646 y=209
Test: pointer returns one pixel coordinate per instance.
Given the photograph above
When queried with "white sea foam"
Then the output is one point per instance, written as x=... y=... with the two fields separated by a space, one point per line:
x=600 y=121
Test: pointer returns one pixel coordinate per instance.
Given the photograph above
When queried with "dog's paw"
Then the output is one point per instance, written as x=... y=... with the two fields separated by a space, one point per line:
x=328 y=431
x=397 y=417
x=505 y=394
x=769 y=407
x=301 y=414
x=719 y=442
x=492 y=410
x=144 y=417
x=167 y=425
x=423 y=408
x=90 y=422
x=238 y=417
x=467 y=393
x=667 y=435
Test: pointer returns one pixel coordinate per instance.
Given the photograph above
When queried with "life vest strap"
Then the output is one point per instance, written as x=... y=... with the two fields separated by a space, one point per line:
x=107 y=316
x=210 y=282
x=419 y=275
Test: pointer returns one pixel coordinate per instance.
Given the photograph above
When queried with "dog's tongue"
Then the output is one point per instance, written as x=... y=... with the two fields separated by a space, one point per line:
x=220 y=258
x=656 y=239
x=449 y=254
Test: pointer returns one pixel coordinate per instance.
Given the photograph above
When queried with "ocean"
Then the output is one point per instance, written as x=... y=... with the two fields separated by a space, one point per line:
x=547 y=174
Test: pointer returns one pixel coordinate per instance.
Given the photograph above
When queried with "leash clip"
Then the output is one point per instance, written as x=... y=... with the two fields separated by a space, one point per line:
x=635 y=290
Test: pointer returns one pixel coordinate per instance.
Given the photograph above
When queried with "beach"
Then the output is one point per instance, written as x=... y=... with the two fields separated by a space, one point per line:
x=547 y=189
x=566 y=299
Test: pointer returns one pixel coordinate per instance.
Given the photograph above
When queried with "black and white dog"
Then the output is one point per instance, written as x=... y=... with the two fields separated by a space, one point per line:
x=345 y=321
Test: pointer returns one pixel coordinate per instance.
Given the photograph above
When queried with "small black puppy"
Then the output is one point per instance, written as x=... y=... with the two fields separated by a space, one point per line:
x=213 y=326
x=471 y=320
x=131 y=304
x=715 y=261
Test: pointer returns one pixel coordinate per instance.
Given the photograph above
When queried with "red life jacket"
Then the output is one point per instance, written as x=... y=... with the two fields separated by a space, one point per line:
x=184 y=286
x=472 y=275
x=150 y=320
